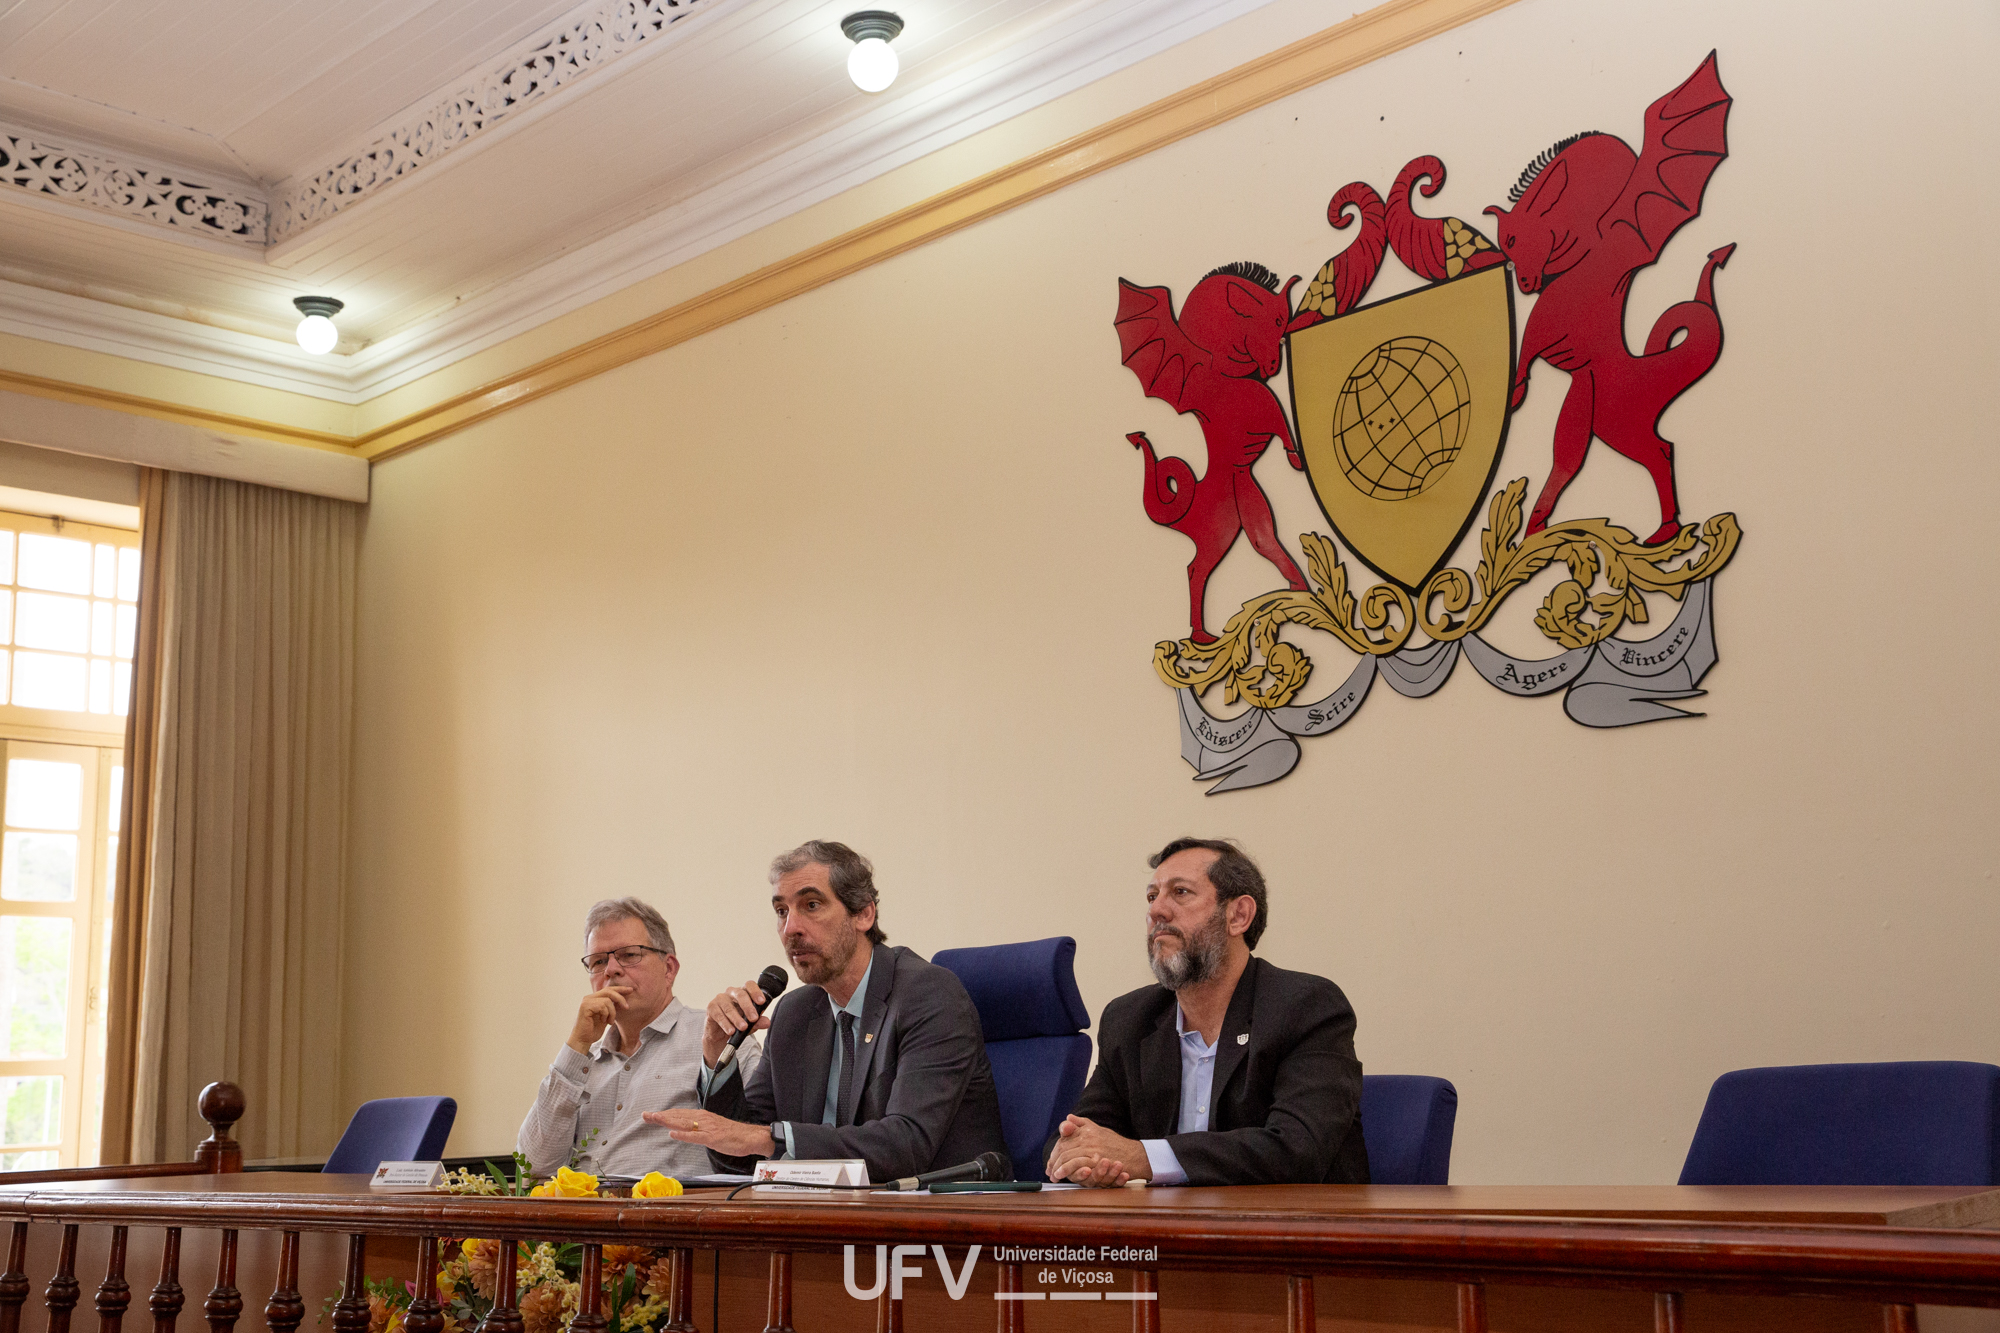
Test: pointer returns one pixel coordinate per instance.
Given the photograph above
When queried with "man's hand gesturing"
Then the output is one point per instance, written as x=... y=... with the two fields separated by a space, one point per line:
x=733 y=1011
x=598 y=1010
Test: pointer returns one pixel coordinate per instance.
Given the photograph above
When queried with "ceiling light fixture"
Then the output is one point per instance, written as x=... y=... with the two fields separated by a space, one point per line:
x=316 y=332
x=872 y=64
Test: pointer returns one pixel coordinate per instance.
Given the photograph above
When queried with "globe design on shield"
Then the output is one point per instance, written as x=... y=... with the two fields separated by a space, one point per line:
x=1401 y=418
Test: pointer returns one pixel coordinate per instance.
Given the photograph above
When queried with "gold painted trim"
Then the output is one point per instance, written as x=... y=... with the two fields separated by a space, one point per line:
x=91 y=396
x=1381 y=31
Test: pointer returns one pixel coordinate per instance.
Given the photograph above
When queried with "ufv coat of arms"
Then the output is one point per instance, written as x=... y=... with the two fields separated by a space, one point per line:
x=1401 y=409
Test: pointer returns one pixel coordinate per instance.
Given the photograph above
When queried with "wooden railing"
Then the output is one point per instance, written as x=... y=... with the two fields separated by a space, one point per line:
x=1889 y=1266
x=1896 y=1268
x=221 y=1106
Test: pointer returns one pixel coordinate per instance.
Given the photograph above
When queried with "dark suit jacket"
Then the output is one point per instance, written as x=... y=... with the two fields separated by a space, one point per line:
x=1286 y=1104
x=926 y=1098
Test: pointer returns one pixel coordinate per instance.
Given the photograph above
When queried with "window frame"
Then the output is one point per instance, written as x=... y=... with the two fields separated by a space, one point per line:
x=52 y=724
x=100 y=736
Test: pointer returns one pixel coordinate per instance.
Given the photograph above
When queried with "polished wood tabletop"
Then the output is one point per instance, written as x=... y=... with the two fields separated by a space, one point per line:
x=1848 y=1205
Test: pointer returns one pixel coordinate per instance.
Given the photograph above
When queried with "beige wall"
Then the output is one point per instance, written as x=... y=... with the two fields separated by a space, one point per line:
x=872 y=565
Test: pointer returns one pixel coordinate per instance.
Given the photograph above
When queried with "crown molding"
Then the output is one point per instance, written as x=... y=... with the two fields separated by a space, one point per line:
x=1359 y=41
x=1098 y=40
x=1106 y=37
x=1346 y=46
x=162 y=340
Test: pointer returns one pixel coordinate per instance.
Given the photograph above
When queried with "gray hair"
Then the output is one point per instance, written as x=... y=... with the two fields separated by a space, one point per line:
x=629 y=909
x=848 y=872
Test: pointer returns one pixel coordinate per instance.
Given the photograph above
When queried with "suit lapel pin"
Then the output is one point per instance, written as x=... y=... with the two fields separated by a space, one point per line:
x=867 y=1037
x=1242 y=1039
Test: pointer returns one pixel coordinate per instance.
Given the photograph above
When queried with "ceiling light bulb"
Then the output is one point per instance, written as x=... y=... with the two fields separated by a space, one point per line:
x=872 y=64
x=316 y=331
x=317 y=334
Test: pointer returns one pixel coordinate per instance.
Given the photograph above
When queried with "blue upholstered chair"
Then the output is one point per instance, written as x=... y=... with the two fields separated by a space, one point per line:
x=1034 y=1019
x=1919 y=1122
x=1406 y=1121
x=394 y=1129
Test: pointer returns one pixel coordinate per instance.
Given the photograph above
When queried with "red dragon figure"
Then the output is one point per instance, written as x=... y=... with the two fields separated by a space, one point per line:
x=1588 y=214
x=1212 y=363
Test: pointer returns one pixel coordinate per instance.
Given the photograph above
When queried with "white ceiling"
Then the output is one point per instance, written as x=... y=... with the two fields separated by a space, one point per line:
x=248 y=90
x=655 y=144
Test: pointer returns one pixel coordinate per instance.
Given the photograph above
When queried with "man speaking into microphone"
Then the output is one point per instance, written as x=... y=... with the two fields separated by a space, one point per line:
x=880 y=1057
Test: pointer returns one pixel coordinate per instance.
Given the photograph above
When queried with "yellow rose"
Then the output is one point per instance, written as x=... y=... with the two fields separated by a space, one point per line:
x=656 y=1186
x=574 y=1184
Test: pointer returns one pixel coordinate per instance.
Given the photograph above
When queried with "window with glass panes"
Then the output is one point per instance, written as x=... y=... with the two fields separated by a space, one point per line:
x=69 y=612
x=68 y=619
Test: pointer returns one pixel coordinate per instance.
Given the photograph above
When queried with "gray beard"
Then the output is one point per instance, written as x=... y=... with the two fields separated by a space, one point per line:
x=1198 y=959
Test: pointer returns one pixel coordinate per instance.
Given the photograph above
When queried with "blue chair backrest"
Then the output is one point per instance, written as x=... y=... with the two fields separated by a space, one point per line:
x=1033 y=1018
x=1918 y=1122
x=394 y=1129
x=1406 y=1121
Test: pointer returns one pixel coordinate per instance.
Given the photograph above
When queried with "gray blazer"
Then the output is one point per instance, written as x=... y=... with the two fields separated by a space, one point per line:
x=925 y=1095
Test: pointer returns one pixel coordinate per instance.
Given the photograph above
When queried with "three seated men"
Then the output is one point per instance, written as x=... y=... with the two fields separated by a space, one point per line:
x=1229 y=1071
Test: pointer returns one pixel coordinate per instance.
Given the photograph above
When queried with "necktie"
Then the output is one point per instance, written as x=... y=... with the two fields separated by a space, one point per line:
x=841 y=1115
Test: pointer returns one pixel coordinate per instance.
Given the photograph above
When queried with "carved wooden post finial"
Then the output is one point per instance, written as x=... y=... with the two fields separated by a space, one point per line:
x=221 y=1105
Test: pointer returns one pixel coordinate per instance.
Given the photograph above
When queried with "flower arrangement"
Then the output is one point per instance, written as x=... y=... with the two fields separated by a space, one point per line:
x=637 y=1282
x=548 y=1277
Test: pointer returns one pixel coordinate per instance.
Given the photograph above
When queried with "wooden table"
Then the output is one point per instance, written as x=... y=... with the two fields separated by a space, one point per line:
x=1381 y=1259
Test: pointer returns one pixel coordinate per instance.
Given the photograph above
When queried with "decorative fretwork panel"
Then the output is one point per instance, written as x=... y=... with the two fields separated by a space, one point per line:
x=75 y=176
x=590 y=39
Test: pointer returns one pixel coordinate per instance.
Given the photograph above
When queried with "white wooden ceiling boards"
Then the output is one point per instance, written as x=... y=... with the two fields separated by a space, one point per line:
x=458 y=171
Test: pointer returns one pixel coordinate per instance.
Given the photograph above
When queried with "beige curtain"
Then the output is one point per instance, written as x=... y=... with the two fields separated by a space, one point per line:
x=226 y=933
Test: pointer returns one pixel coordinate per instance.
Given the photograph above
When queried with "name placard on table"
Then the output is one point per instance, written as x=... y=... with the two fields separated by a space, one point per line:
x=407 y=1177
x=839 y=1172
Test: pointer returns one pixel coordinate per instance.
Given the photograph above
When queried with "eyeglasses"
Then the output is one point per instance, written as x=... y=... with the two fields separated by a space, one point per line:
x=628 y=957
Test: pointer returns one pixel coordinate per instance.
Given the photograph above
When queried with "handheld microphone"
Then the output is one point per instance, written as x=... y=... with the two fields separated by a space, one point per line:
x=986 y=1166
x=772 y=983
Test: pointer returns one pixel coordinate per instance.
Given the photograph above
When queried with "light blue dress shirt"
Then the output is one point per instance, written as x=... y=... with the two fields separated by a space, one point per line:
x=1197 y=1082
x=783 y=1128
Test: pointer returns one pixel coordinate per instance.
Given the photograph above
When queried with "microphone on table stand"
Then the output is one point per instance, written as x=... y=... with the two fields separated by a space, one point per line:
x=772 y=983
x=986 y=1166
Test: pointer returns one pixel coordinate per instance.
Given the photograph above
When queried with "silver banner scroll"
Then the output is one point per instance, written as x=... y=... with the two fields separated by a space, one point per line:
x=1616 y=683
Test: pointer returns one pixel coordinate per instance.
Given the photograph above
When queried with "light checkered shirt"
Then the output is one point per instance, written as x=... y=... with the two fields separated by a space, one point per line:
x=609 y=1092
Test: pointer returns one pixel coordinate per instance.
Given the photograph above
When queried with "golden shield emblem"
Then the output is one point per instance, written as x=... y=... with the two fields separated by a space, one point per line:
x=1402 y=412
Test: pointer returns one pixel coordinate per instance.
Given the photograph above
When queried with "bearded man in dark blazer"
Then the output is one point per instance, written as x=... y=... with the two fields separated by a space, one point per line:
x=1228 y=1072
x=880 y=1056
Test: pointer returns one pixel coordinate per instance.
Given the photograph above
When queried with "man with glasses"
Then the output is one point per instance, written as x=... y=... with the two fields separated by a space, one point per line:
x=634 y=1048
